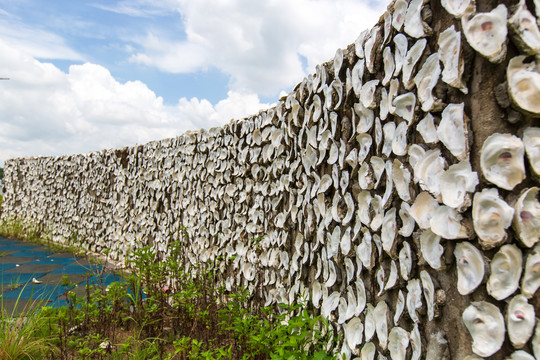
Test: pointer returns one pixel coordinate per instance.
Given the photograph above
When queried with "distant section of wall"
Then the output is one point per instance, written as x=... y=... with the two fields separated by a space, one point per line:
x=397 y=187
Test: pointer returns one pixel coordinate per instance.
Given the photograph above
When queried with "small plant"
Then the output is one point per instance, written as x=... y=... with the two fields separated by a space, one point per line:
x=24 y=335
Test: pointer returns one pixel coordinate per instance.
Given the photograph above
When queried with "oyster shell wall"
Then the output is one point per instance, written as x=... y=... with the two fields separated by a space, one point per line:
x=358 y=186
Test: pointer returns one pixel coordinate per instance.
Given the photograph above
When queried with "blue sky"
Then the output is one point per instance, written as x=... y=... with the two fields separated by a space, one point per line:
x=86 y=75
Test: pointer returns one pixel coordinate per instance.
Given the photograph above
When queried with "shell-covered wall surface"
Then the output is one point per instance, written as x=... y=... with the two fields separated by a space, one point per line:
x=397 y=188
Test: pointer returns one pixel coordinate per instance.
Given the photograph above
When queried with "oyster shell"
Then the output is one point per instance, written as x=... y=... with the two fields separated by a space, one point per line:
x=521 y=355
x=422 y=209
x=491 y=217
x=429 y=293
x=354 y=330
x=456 y=184
x=520 y=319
x=400 y=10
x=389 y=65
x=531 y=279
x=536 y=341
x=450 y=55
x=367 y=94
x=458 y=8
x=404 y=106
x=452 y=131
x=470 y=267
x=501 y=160
x=399 y=142
x=486 y=326
x=406 y=220
x=524 y=30
x=416 y=343
x=389 y=130
x=380 y=315
x=527 y=217
x=431 y=249
x=414 y=25
x=368 y=352
x=402 y=179
x=413 y=55
x=523 y=77
x=414 y=298
x=405 y=261
x=400 y=305
x=398 y=343
x=369 y=322
x=388 y=231
x=531 y=140
x=506 y=268
x=357 y=76
x=426 y=128
x=401 y=45
x=425 y=81
x=437 y=348
x=428 y=171
x=486 y=32
x=446 y=222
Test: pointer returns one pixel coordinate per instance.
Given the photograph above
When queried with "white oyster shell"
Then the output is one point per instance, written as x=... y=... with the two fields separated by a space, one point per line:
x=536 y=341
x=523 y=80
x=446 y=222
x=450 y=55
x=406 y=220
x=368 y=352
x=531 y=279
x=400 y=305
x=414 y=25
x=414 y=298
x=405 y=261
x=527 y=217
x=521 y=355
x=486 y=32
x=501 y=160
x=524 y=30
x=389 y=65
x=422 y=209
x=398 y=343
x=389 y=230
x=520 y=319
x=470 y=267
x=404 y=106
x=426 y=128
x=531 y=140
x=456 y=184
x=428 y=171
x=413 y=55
x=429 y=293
x=400 y=10
x=506 y=268
x=402 y=179
x=426 y=79
x=381 y=316
x=491 y=217
x=458 y=8
x=401 y=45
x=416 y=343
x=452 y=131
x=486 y=326
x=431 y=249
x=354 y=330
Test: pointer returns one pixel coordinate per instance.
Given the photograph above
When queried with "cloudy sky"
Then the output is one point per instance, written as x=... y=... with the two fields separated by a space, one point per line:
x=92 y=74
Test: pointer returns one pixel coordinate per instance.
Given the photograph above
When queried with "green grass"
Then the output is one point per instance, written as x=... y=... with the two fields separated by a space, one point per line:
x=164 y=310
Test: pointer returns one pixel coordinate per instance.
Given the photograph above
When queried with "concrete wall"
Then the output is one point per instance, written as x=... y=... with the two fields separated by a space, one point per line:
x=359 y=183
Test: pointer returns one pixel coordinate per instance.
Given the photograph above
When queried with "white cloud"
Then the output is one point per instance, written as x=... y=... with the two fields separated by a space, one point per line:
x=48 y=112
x=39 y=43
x=257 y=43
